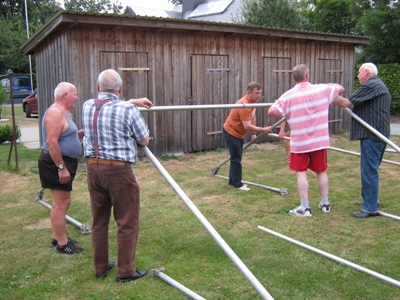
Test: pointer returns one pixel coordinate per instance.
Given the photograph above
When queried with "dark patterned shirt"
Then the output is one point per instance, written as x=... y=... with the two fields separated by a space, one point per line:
x=372 y=104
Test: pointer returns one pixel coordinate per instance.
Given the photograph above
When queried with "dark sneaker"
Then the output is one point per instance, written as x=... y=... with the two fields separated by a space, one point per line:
x=326 y=208
x=301 y=212
x=69 y=248
x=110 y=266
x=54 y=243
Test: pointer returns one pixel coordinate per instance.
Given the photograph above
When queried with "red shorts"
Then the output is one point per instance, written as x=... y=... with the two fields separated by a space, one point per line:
x=316 y=161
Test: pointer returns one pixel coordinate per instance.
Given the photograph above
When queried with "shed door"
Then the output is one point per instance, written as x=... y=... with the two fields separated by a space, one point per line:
x=209 y=86
x=134 y=71
x=330 y=71
x=277 y=74
x=133 y=68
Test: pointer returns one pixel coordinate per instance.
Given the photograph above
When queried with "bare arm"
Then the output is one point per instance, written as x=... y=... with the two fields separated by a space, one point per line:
x=55 y=123
x=144 y=142
x=342 y=102
x=250 y=127
x=142 y=102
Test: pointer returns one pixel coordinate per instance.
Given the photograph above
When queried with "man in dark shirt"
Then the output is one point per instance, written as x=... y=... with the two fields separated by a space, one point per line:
x=371 y=102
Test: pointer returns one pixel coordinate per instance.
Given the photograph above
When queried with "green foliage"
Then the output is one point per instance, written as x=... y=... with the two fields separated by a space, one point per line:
x=334 y=16
x=3 y=96
x=94 y=6
x=390 y=74
x=382 y=25
x=6 y=133
x=273 y=13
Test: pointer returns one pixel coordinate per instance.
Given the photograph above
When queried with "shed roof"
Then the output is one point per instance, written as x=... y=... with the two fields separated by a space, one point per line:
x=67 y=18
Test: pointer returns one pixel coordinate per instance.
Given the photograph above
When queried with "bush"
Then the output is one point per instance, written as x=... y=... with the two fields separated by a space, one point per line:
x=6 y=133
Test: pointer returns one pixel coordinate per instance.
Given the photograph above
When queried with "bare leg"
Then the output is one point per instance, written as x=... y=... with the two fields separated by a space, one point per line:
x=302 y=185
x=323 y=183
x=61 y=203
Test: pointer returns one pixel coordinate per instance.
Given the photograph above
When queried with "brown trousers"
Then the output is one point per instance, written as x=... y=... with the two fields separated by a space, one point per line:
x=114 y=186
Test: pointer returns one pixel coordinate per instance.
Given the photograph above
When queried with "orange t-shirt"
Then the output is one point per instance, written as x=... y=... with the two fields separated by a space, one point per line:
x=233 y=124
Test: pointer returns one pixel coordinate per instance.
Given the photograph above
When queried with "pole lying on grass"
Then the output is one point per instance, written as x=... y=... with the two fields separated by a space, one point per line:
x=332 y=257
x=215 y=170
x=160 y=274
x=373 y=130
x=282 y=191
x=219 y=240
x=85 y=228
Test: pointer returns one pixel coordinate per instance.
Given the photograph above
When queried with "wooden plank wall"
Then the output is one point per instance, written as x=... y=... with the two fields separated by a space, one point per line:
x=77 y=55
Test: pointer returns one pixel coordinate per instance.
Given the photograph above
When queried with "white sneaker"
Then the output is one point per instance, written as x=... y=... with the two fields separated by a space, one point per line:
x=301 y=212
x=326 y=208
x=244 y=188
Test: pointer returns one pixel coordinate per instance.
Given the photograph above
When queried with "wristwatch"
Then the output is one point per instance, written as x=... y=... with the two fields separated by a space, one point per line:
x=60 y=166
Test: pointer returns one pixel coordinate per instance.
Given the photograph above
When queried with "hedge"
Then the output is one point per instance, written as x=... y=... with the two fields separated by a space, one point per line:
x=6 y=133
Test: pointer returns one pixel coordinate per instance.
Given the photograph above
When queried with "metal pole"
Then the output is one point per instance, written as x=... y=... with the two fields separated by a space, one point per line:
x=85 y=228
x=214 y=171
x=282 y=191
x=219 y=240
x=346 y=151
x=358 y=154
x=373 y=130
x=202 y=107
x=388 y=215
x=159 y=273
x=332 y=257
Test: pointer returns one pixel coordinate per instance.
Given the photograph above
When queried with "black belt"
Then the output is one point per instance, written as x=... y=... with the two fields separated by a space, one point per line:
x=64 y=157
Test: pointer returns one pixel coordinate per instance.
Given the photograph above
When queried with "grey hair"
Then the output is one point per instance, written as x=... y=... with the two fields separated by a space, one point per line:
x=62 y=88
x=109 y=80
x=299 y=72
x=370 y=67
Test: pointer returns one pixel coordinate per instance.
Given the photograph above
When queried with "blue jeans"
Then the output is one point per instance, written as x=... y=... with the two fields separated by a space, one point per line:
x=371 y=158
x=235 y=146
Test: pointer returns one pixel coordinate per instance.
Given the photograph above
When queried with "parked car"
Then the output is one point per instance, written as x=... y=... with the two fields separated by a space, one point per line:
x=21 y=86
x=30 y=104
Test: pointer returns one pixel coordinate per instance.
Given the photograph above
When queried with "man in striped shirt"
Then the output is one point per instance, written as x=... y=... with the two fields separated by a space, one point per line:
x=306 y=108
x=372 y=104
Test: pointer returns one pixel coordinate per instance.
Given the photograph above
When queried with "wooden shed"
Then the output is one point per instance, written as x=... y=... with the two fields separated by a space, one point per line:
x=181 y=62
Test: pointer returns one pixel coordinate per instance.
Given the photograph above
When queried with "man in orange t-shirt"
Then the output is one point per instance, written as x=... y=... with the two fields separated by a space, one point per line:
x=238 y=123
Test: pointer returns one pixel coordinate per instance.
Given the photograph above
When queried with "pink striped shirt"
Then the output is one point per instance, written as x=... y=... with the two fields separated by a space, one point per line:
x=306 y=107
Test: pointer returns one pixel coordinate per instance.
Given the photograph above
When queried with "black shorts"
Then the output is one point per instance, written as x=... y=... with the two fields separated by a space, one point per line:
x=48 y=172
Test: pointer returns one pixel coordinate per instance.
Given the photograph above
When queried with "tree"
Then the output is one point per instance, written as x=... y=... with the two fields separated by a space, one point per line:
x=95 y=6
x=382 y=24
x=273 y=13
x=335 y=16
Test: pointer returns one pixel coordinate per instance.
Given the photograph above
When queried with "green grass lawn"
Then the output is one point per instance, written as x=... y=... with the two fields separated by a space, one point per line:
x=173 y=238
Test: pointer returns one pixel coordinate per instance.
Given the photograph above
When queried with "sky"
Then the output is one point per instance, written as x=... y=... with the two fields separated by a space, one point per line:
x=161 y=4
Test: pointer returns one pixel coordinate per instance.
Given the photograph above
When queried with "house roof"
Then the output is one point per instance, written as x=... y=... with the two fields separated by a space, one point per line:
x=67 y=19
x=225 y=11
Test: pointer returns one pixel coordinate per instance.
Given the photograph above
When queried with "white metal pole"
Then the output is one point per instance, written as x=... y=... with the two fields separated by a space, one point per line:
x=159 y=273
x=219 y=240
x=85 y=228
x=332 y=257
x=346 y=151
x=373 y=130
x=27 y=37
x=282 y=191
x=202 y=107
